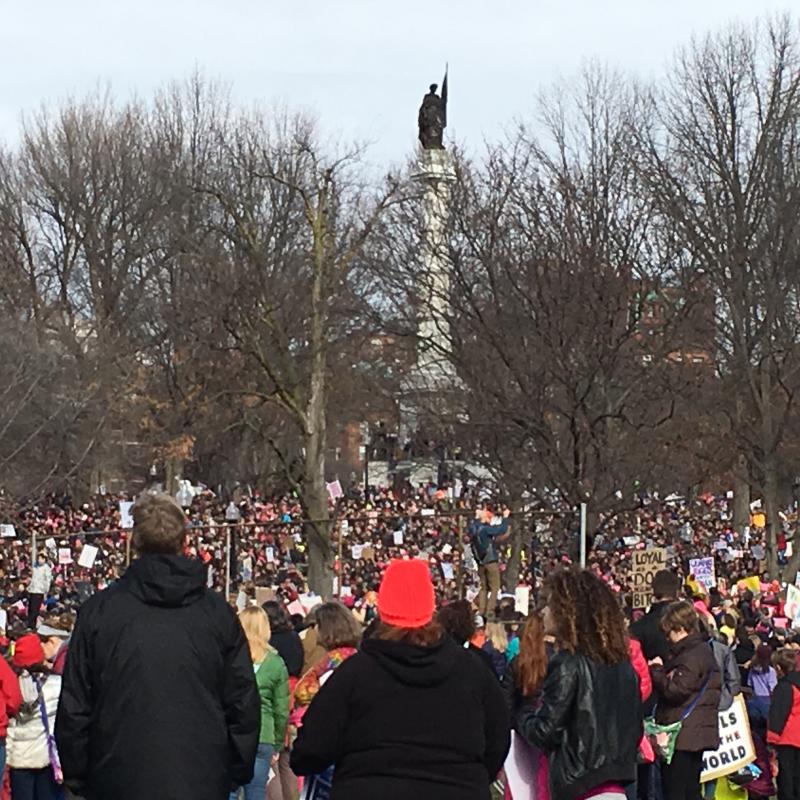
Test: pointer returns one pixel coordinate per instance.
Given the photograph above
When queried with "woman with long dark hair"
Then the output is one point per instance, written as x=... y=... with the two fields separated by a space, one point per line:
x=589 y=718
x=412 y=715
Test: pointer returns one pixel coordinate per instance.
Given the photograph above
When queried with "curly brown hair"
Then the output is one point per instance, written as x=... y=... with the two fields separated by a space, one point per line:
x=587 y=616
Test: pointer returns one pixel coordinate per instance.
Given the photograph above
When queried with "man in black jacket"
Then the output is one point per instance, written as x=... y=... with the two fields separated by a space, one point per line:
x=159 y=697
x=647 y=630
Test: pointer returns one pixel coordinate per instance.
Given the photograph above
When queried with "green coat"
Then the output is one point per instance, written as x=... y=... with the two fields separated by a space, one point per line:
x=273 y=689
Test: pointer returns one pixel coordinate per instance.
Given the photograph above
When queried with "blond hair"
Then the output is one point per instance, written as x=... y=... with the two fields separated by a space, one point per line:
x=255 y=624
x=159 y=525
x=496 y=634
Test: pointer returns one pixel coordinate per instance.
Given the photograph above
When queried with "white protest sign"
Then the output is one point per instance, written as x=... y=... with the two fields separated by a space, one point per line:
x=7 y=531
x=520 y=767
x=736 y=744
x=447 y=549
x=427 y=512
x=356 y=551
x=447 y=571
x=398 y=537
x=64 y=555
x=334 y=490
x=522 y=600
x=87 y=556
x=270 y=555
x=50 y=544
x=645 y=565
x=791 y=608
x=703 y=571
x=125 y=516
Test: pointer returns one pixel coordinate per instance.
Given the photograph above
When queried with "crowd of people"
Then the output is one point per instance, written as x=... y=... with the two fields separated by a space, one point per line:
x=251 y=540
x=165 y=688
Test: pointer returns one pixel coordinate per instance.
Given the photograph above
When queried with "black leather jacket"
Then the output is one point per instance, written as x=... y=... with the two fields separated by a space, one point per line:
x=589 y=723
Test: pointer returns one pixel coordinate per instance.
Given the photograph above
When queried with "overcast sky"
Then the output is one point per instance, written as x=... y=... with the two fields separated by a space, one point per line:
x=361 y=65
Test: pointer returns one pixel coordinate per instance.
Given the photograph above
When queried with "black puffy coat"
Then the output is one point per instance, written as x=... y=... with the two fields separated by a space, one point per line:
x=691 y=667
x=589 y=723
x=400 y=722
x=159 y=698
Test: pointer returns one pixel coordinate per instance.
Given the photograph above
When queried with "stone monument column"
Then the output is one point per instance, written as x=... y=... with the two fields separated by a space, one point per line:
x=433 y=333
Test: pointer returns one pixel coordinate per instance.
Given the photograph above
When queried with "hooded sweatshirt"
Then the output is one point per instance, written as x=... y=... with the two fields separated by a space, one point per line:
x=159 y=695
x=401 y=721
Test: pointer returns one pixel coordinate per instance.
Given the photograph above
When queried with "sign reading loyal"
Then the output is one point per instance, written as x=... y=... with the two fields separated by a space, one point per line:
x=645 y=565
x=735 y=749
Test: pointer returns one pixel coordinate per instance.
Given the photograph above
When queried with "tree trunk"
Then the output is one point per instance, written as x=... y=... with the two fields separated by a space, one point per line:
x=771 y=509
x=315 y=497
x=741 y=497
x=317 y=529
x=173 y=470
x=518 y=529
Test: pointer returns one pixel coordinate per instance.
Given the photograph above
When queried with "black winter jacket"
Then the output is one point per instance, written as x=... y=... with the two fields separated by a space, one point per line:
x=159 y=697
x=589 y=723
x=677 y=683
x=647 y=631
x=401 y=722
x=290 y=648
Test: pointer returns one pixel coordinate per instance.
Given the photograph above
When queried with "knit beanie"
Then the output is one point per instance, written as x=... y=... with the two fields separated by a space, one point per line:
x=406 y=598
x=28 y=651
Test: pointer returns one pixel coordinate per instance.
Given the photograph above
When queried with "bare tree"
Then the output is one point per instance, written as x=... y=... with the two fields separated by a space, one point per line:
x=290 y=224
x=722 y=167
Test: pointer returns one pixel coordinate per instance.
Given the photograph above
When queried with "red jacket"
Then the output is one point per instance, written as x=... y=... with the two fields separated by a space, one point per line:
x=784 y=712
x=11 y=695
x=642 y=670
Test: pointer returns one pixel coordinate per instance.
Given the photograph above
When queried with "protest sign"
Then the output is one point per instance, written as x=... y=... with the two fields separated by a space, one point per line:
x=736 y=744
x=264 y=594
x=125 y=516
x=522 y=600
x=398 y=537
x=7 y=531
x=368 y=553
x=753 y=583
x=758 y=552
x=703 y=571
x=334 y=490
x=447 y=571
x=520 y=767
x=645 y=565
x=427 y=512
x=356 y=551
x=50 y=544
x=792 y=606
x=64 y=555
x=87 y=556
x=270 y=555
x=296 y=607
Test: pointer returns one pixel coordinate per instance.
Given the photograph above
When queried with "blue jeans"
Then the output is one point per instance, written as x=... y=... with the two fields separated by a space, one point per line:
x=34 y=784
x=257 y=788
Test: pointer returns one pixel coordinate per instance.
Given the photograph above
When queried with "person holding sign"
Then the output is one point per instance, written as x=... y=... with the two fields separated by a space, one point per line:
x=484 y=538
x=688 y=690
